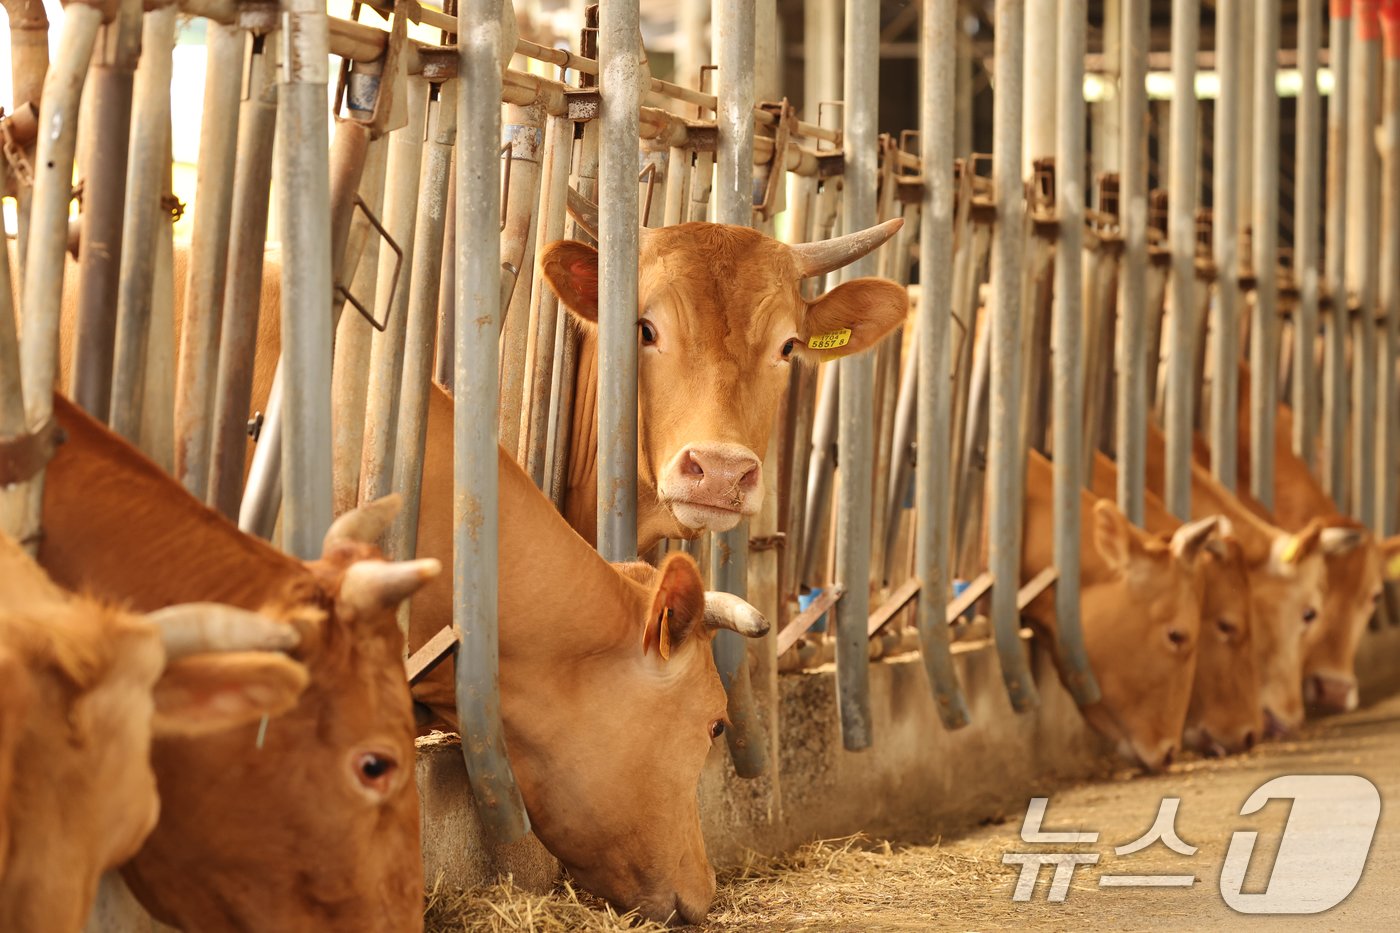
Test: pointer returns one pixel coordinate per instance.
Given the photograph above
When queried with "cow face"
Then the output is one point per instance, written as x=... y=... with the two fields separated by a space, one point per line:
x=612 y=785
x=720 y=321
x=1354 y=589
x=1226 y=715
x=1141 y=629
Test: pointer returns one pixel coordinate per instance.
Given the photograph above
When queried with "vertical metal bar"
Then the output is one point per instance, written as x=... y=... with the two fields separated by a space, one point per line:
x=619 y=46
x=1244 y=151
x=442 y=364
x=204 y=287
x=1132 y=299
x=147 y=178
x=1108 y=137
x=1264 y=330
x=157 y=427
x=476 y=367
x=304 y=215
x=733 y=200
x=937 y=52
x=524 y=133
x=1334 y=384
x=1306 y=229
x=1068 y=320
x=821 y=72
x=1388 y=494
x=252 y=177
x=1363 y=222
x=102 y=216
x=12 y=423
x=1038 y=113
x=29 y=48
x=1181 y=231
x=48 y=236
x=1224 y=419
x=1006 y=482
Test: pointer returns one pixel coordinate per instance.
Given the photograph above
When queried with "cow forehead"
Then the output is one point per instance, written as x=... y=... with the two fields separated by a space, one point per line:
x=724 y=281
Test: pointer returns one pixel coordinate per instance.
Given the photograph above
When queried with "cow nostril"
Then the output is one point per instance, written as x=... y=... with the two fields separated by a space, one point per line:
x=1168 y=758
x=1249 y=740
x=750 y=478
x=691 y=467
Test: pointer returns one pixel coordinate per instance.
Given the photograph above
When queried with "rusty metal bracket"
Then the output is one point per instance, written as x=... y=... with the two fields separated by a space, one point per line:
x=508 y=150
x=390 y=99
x=344 y=292
x=433 y=653
x=259 y=17
x=768 y=542
x=17 y=131
x=24 y=455
x=648 y=175
x=583 y=104
x=782 y=133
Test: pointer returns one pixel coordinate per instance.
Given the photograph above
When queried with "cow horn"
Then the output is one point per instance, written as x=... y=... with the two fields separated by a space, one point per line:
x=1189 y=538
x=725 y=610
x=371 y=585
x=821 y=257
x=194 y=628
x=365 y=524
x=584 y=212
x=1340 y=540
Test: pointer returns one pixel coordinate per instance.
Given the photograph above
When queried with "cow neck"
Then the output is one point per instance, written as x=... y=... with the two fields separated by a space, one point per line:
x=161 y=545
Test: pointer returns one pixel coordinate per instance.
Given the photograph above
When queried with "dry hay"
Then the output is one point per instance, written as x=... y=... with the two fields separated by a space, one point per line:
x=505 y=908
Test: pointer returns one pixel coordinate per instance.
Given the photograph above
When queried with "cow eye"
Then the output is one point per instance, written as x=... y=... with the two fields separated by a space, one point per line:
x=1226 y=627
x=1309 y=615
x=789 y=347
x=717 y=728
x=1177 y=638
x=375 y=771
x=648 y=333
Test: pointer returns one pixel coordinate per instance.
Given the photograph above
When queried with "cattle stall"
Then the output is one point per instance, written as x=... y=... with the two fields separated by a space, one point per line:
x=918 y=328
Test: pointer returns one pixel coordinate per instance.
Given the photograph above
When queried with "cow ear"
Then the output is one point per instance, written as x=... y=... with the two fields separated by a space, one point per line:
x=677 y=605
x=208 y=693
x=1289 y=550
x=1189 y=539
x=16 y=694
x=1335 y=541
x=1113 y=536
x=571 y=269
x=1390 y=557
x=854 y=316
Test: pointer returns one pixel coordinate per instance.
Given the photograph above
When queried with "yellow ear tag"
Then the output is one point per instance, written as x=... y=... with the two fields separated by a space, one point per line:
x=1392 y=568
x=831 y=341
x=1290 y=550
x=664 y=631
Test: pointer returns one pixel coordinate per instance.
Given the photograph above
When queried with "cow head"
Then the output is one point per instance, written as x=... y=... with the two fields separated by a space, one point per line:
x=1226 y=714
x=309 y=820
x=720 y=320
x=1141 y=628
x=611 y=786
x=1354 y=588
x=83 y=689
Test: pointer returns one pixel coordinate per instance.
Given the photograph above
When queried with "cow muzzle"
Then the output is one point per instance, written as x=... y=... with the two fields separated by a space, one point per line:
x=1330 y=693
x=711 y=487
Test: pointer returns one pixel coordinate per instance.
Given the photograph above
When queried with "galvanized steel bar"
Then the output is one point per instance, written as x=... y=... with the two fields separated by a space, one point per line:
x=1225 y=331
x=442 y=363
x=1181 y=232
x=304 y=215
x=1038 y=114
x=104 y=187
x=12 y=423
x=1335 y=399
x=1387 y=522
x=1006 y=483
x=476 y=369
x=1263 y=346
x=1363 y=233
x=524 y=134
x=29 y=64
x=619 y=46
x=1132 y=408
x=937 y=47
x=1307 y=228
x=208 y=263
x=1244 y=151
x=147 y=178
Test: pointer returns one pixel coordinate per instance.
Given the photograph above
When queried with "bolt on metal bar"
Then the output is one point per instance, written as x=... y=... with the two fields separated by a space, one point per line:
x=119 y=47
x=1363 y=233
x=1334 y=378
x=619 y=45
x=1181 y=231
x=937 y=46
x=1006 y=477
x=208 y=267
x=476 y=369
x=1132 y=408
x=1387 y=522
x=1306 y=230
x=1264 y=330
x=147 y=177
x=304 y=211
x=1224 y=419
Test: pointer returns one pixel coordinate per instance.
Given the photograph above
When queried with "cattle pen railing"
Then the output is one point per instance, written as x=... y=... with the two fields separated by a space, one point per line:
x=425 y=203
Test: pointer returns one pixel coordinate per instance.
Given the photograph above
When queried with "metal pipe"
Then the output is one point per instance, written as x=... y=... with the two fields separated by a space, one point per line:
x=442 y=364
x=821 y=72
x=1264 y=330
x=391 y=300
x=208 y=268
x=476 y=366
x=147 y=178
x=12 y=423
x=1038 y=114
x=1224 y=416
x=238 y=331
x=1131 y=412
x=1004 y=457
x=1334 y=384
x=29 y=51
x=1181 y=232
x=524 y=133
x=1244 y=151
x=48 y=236
x=619 y=45
x=104 y=198
x=1306 y=230
x=1363 y=222
x=937 y=49
x=1387 y=522
x=304 y=215
x=157 y=428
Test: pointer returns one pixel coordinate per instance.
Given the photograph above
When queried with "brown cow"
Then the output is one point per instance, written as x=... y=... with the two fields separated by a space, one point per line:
x=83 y=689
x=311 y=823
x=1226 y=713
x=1140 y=613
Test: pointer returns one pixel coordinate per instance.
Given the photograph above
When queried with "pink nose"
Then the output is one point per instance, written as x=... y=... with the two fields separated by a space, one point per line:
x=719 y=475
